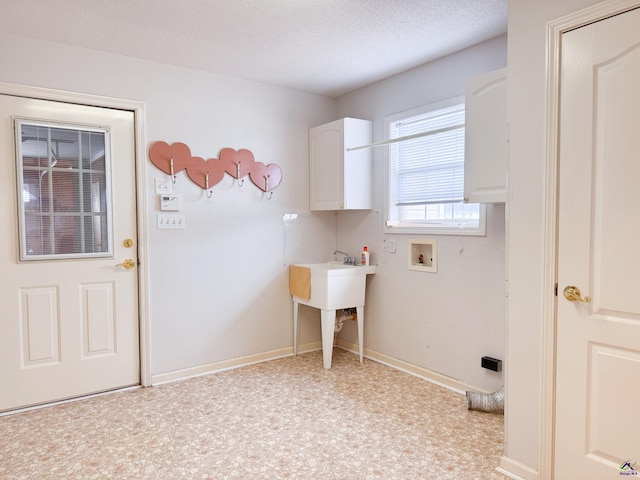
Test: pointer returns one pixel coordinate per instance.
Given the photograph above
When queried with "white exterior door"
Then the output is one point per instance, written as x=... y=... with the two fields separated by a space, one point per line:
x=598 y=328
x=68 y=314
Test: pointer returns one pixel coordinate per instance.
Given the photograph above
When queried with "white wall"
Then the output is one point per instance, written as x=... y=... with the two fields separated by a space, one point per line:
x=422 y=318
x=444 y=321
x=527 y=117
x=219 y=289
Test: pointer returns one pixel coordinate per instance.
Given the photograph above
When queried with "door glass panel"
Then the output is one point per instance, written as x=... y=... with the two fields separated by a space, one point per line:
x=64 y=185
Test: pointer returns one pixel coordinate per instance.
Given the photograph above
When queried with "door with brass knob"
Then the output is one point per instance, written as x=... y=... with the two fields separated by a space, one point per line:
x=69 y=323
x=597 y=330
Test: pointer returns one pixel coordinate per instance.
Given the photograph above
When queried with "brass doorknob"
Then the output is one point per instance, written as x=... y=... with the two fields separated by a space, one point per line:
x=572 y=293
x=128 y=264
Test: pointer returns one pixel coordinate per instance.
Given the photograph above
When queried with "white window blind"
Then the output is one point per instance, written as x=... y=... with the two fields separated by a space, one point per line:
x=65 y=198
x=429 y=169
x=426 y=172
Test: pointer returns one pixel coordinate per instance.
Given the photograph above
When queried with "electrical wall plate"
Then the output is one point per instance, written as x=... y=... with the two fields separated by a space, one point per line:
x=170 y=203
x=169 y=221
x=163 y=186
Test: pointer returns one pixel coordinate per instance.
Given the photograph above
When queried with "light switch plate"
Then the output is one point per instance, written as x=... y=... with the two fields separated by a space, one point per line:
x=392 y=245
x=163 y=186
x=170 y=221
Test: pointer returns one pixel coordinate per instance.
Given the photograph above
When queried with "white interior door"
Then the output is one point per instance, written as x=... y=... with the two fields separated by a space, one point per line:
x=69 y=315
x=598 y=338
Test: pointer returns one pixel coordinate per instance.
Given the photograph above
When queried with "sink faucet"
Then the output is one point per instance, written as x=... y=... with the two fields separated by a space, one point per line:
x=348 y=259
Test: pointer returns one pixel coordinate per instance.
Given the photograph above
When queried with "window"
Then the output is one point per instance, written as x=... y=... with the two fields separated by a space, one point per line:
x=63 y=177
x=426 y=172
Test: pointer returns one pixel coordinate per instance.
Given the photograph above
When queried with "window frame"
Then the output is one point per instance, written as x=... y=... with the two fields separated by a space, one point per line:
x=426 y=229
x=24 y=255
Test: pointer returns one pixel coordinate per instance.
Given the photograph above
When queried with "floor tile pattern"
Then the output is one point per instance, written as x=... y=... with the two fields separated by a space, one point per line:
x=282 y=419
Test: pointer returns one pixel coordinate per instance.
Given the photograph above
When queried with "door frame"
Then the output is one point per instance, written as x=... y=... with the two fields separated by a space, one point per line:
x=141 y=211
x=555 y=29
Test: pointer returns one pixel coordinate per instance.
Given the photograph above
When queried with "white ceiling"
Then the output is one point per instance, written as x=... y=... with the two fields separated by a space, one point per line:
x=323 y=46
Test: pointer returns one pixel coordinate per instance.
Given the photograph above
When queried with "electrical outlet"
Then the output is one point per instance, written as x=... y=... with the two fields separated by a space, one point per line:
x=491 y=364
x=168 y=221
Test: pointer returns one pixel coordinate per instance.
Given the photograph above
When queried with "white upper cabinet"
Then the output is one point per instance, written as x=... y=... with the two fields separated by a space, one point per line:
x=485 y=163
x=340 y=179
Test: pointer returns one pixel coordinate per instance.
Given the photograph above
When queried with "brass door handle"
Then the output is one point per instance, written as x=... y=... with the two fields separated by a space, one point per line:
x=572 y=293
x=128 y=264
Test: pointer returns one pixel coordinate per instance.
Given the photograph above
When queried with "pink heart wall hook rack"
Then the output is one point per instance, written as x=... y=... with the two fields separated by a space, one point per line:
x=176 y=157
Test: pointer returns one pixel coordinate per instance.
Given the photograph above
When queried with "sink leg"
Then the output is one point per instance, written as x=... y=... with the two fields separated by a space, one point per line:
x=360 y=313
x=328 y=325
x=296 y=306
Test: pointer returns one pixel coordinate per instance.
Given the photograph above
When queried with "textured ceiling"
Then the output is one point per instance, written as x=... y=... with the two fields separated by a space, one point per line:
x=322 y=46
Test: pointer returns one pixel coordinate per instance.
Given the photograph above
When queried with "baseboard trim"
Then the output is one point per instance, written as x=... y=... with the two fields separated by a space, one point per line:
x=515 y=470
x=177 y=375
x=420 y=372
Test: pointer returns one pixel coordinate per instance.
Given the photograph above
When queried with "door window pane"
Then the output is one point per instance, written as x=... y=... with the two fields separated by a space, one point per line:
x=64 y=191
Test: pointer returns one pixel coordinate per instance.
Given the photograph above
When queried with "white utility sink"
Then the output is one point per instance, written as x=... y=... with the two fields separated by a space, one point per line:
x=334 y=286
x=339 y=268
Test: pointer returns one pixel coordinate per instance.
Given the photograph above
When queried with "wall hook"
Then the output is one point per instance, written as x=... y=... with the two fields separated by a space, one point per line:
x=206 y=185
x=173 y=176
x=267 y=193
x=240 y=182
x=206 y=181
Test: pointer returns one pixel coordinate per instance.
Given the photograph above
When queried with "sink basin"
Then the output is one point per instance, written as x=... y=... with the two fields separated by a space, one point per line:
x=335 y=285
x=331 y=269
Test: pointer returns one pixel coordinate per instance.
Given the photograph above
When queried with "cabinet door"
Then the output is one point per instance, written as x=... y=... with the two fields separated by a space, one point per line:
x=358 y=168
x=326 y=167
x=485 y=164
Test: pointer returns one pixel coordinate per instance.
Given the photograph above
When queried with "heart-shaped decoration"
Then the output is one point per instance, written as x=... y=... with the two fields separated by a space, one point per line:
x=237 y=164
x=265 y=177
x=171 y=159
x=203 y=173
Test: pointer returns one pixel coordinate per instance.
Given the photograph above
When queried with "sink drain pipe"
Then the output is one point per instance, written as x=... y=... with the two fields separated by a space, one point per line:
x=486 y=402
x=344 y=315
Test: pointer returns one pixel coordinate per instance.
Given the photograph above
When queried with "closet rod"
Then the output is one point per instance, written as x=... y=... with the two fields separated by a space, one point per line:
x=408 y=137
